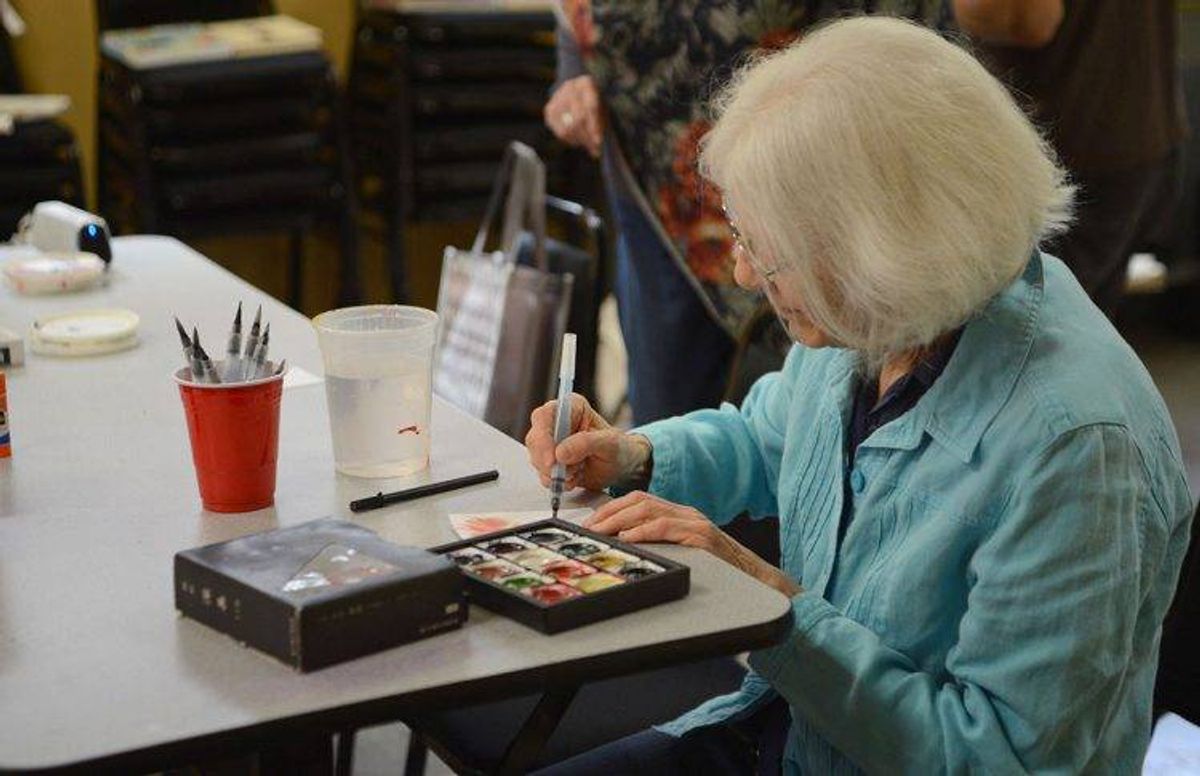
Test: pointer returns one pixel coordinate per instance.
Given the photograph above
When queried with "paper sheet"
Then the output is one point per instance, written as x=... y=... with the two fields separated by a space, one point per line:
x=1174 y=748
x=468 y=525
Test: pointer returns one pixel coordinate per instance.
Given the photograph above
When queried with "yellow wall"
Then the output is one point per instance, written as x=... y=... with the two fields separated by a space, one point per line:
x=57 y=54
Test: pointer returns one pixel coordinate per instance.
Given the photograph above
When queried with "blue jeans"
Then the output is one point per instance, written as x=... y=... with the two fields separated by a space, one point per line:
x=679 y=357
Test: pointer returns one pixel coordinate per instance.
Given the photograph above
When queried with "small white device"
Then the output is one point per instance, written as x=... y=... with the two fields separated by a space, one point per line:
x=56 y=227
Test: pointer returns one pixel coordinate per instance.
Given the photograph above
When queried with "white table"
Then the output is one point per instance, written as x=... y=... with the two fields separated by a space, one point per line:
x=96 y=668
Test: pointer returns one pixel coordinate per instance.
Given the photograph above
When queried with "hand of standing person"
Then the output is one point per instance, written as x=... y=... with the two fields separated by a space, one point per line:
x=575 y=116
x=1023 y=23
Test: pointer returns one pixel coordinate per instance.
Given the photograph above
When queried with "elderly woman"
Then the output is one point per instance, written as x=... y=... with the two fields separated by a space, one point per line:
x=982 y=506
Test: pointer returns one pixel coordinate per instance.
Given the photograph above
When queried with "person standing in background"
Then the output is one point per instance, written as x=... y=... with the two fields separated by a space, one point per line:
x=633 y=83
x=1102 y=78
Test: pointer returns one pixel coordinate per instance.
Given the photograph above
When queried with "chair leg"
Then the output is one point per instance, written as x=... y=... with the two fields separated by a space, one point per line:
x=346 y=199
x=533 y=735
x=344 y=766
x=414 y=761
x=350 y=283
x=295 y=268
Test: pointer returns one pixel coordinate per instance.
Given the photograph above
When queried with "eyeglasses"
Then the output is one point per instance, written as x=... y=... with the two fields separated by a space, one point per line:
x=767 y=274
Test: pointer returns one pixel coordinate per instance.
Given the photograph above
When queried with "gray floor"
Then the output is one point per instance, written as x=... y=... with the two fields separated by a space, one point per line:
x=379 y=751
x=1173 y=361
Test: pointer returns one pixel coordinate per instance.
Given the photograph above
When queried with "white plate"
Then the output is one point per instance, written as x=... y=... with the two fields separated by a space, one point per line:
x=85 y=333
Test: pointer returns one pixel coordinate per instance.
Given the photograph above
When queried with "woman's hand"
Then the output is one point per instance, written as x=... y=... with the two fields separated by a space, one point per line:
x=640 y=517
x=596 y=454
x=574 y=115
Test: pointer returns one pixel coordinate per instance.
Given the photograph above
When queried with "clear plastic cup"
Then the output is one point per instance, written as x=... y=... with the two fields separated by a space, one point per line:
x=378 y=381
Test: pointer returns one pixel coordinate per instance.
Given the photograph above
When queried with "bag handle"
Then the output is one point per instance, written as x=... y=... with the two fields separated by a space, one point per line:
x=523 y=173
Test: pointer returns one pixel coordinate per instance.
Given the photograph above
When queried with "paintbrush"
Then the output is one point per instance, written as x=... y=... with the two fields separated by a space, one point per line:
x=187 y=348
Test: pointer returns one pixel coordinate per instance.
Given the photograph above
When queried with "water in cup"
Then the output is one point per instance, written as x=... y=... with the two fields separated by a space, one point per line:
x=382 y=423
x=378 y=367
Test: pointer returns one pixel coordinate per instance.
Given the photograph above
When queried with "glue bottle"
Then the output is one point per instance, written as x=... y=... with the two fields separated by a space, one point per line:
x=5 y=443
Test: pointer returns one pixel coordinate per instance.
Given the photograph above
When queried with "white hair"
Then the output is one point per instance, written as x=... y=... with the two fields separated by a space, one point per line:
x=885 y=169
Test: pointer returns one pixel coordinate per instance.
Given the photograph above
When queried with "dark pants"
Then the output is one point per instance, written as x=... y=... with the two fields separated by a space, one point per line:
x=1116 y=215
x=751 y=746
x=679 y=357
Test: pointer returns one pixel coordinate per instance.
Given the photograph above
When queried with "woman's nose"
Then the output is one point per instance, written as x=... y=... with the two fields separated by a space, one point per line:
x=743 y=272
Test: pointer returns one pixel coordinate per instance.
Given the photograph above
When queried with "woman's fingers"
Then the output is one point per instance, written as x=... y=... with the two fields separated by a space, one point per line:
x=664 y=528
x=629 y=510
x=577 y=448
x=606 y=510
x=539 y=441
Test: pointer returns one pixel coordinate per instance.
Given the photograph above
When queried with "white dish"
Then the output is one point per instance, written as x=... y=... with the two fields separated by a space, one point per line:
x=53 y=273
x=85 y=333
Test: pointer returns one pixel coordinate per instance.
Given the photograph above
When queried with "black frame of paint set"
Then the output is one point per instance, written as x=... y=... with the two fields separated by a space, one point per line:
x=552 y=586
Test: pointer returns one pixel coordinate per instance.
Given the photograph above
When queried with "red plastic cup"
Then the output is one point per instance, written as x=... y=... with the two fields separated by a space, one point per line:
x=234 y=428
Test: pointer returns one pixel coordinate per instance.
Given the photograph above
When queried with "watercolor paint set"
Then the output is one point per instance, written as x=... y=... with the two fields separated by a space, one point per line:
x=553 y=576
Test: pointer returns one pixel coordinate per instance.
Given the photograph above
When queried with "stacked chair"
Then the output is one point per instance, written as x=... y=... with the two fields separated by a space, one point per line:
x=38 y=161
x=434 y=100
x=237 y=146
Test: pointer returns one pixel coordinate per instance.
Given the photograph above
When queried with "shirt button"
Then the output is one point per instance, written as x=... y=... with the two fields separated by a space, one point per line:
x=857 y=481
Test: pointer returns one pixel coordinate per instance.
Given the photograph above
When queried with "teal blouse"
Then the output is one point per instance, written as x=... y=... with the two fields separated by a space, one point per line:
x=996 y=602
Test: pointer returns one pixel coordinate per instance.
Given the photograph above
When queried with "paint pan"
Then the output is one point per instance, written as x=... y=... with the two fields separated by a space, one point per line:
x=494 y=569
x=566 y=569
x=471 y=556
x=596 y=582
x=581 y=548
x=553 y=594
x=509 y=545
x=537 y=558
x=549 y=537
x=610 y=560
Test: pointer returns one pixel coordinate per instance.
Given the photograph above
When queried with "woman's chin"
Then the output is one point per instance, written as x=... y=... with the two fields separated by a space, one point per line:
x=807 y=335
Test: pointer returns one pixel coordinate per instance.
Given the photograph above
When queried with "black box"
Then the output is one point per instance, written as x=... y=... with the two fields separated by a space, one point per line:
x=319 y=593
x=553 y=575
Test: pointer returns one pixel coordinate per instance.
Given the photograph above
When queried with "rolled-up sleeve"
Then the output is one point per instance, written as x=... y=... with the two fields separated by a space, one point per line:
x=726 y=461
x=1044 y=645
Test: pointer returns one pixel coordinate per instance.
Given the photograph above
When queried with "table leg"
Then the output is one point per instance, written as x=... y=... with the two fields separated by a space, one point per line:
x=418 y=753
x=536 y=731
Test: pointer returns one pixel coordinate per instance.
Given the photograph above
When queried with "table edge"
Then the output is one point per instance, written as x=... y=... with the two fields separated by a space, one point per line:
x=380 y=710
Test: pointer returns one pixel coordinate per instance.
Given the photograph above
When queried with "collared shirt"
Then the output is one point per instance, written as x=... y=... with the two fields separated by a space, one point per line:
x=901 y=396
x=1016 y=540
x=867 y=415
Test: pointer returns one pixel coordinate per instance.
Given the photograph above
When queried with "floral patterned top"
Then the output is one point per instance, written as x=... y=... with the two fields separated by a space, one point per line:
x=656 y=63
